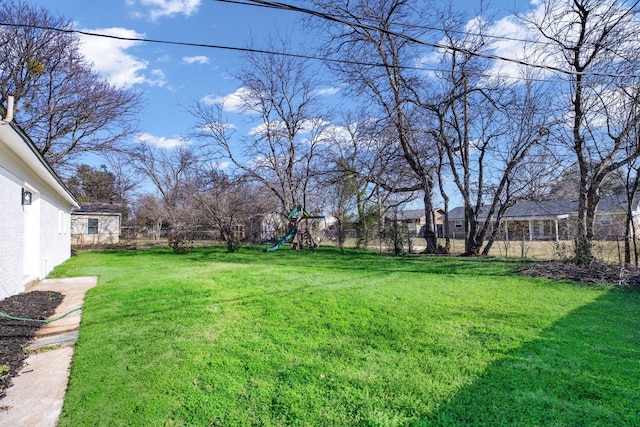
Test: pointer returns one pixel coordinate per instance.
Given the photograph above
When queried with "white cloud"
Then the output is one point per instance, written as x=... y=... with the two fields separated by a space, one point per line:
x=159 y=77
x=234 y=102
x=338 y=134
x=111 y=59
x=196 y=59
x=160 y=141
x=164 y=58
x=316 y=129
x=509 y=38
x=156 y=9
x=273 y=128
x=509 y=43
x=212 y=99
x=513 y=33
x=328 y=91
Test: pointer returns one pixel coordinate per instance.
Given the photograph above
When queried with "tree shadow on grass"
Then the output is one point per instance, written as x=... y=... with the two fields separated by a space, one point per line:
x=583 y=371
x=334 y=259
x=348 y=260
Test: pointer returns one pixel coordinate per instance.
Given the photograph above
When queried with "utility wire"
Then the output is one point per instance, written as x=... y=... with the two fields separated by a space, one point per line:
x=190 y=44
x=465 y=51
x=414 y=26
x=232 y=48
x=283 y=6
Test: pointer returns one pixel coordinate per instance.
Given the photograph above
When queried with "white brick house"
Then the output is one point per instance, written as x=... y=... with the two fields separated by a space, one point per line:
x=35 y=212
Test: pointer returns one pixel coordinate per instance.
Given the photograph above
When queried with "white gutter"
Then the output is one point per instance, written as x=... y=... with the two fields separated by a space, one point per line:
x=24 y=149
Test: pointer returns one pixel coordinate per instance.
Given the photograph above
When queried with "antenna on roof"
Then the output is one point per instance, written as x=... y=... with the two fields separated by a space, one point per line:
x=9 y=117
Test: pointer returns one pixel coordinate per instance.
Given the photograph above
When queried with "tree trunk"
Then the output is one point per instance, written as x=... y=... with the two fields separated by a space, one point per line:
x=471 y=244
x=627 y=234
x=429 y=227
x=587 y=204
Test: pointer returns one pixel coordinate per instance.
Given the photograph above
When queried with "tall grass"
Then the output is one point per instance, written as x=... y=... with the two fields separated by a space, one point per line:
x=353 y=338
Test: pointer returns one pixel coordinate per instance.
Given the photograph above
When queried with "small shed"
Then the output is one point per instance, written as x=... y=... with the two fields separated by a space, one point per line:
x=96 y=224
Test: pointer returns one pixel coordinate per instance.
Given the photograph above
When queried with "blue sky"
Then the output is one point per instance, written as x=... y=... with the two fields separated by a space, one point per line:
x=172 y=77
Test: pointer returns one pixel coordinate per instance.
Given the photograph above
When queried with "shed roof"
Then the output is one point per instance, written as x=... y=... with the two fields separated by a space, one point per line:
x=99 y=208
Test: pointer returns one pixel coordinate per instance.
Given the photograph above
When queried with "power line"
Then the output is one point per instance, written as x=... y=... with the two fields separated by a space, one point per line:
x=242 y=3
x=284 y=6
x=420 y=27
x=236 y=49
x=176 y=43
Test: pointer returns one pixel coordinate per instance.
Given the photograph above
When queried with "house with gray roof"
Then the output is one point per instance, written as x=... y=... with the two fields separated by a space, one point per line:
x=553 y=219
x=415 y=219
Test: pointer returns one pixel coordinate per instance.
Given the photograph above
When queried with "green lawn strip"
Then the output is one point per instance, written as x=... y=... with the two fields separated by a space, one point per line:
x=316 y=338
x=584 y=370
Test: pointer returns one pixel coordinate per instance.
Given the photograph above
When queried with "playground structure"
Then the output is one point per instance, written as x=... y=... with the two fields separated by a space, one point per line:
x=298 y=233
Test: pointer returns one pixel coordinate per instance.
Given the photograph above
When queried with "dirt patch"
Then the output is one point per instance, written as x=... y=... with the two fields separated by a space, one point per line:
x=16 y=334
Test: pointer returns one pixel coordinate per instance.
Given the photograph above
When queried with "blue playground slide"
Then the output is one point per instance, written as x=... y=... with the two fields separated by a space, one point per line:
x=285 y=239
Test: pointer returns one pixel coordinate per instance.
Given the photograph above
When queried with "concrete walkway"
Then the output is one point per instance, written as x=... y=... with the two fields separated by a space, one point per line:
x=37 y=392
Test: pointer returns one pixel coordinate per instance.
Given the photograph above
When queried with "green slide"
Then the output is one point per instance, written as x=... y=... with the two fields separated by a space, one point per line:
x=285 y=239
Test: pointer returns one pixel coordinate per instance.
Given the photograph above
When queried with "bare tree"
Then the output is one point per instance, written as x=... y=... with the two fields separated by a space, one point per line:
x=629 y=177
x=376 y=38
x=65 y=107
x=597 y=44
x=485 y=129
x=150 y=214
x=345 y=184
x=174 y=174
x=228 y=203
x=365 y=169
x=280 y=93
x=126 y=178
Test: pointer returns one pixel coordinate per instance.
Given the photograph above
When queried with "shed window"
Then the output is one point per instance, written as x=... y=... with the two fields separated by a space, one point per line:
x=92 y=226
x=458 y=224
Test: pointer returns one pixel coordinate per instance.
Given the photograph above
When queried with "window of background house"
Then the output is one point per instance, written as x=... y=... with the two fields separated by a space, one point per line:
x=458 y=224
x=92 y=226
x=605 y=219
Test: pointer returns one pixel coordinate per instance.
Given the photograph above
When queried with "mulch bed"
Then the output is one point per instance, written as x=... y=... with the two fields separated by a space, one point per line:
x=597 y=272
x=16 y=334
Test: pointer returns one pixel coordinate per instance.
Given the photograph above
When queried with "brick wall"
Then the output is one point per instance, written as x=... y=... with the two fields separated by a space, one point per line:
x=11 y=235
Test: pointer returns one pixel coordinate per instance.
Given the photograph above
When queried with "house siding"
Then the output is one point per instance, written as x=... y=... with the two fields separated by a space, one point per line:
x=32 y=237
x=55 y=242
x=108 y=229
x=11 y=235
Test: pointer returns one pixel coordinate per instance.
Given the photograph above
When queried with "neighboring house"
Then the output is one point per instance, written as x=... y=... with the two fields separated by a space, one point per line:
x=96 y=224
x=553 y=219
x=415 y=220
x=35 y=209
x=412 y=219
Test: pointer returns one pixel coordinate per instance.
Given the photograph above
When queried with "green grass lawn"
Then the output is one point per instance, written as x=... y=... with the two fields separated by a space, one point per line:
x=336 y=339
